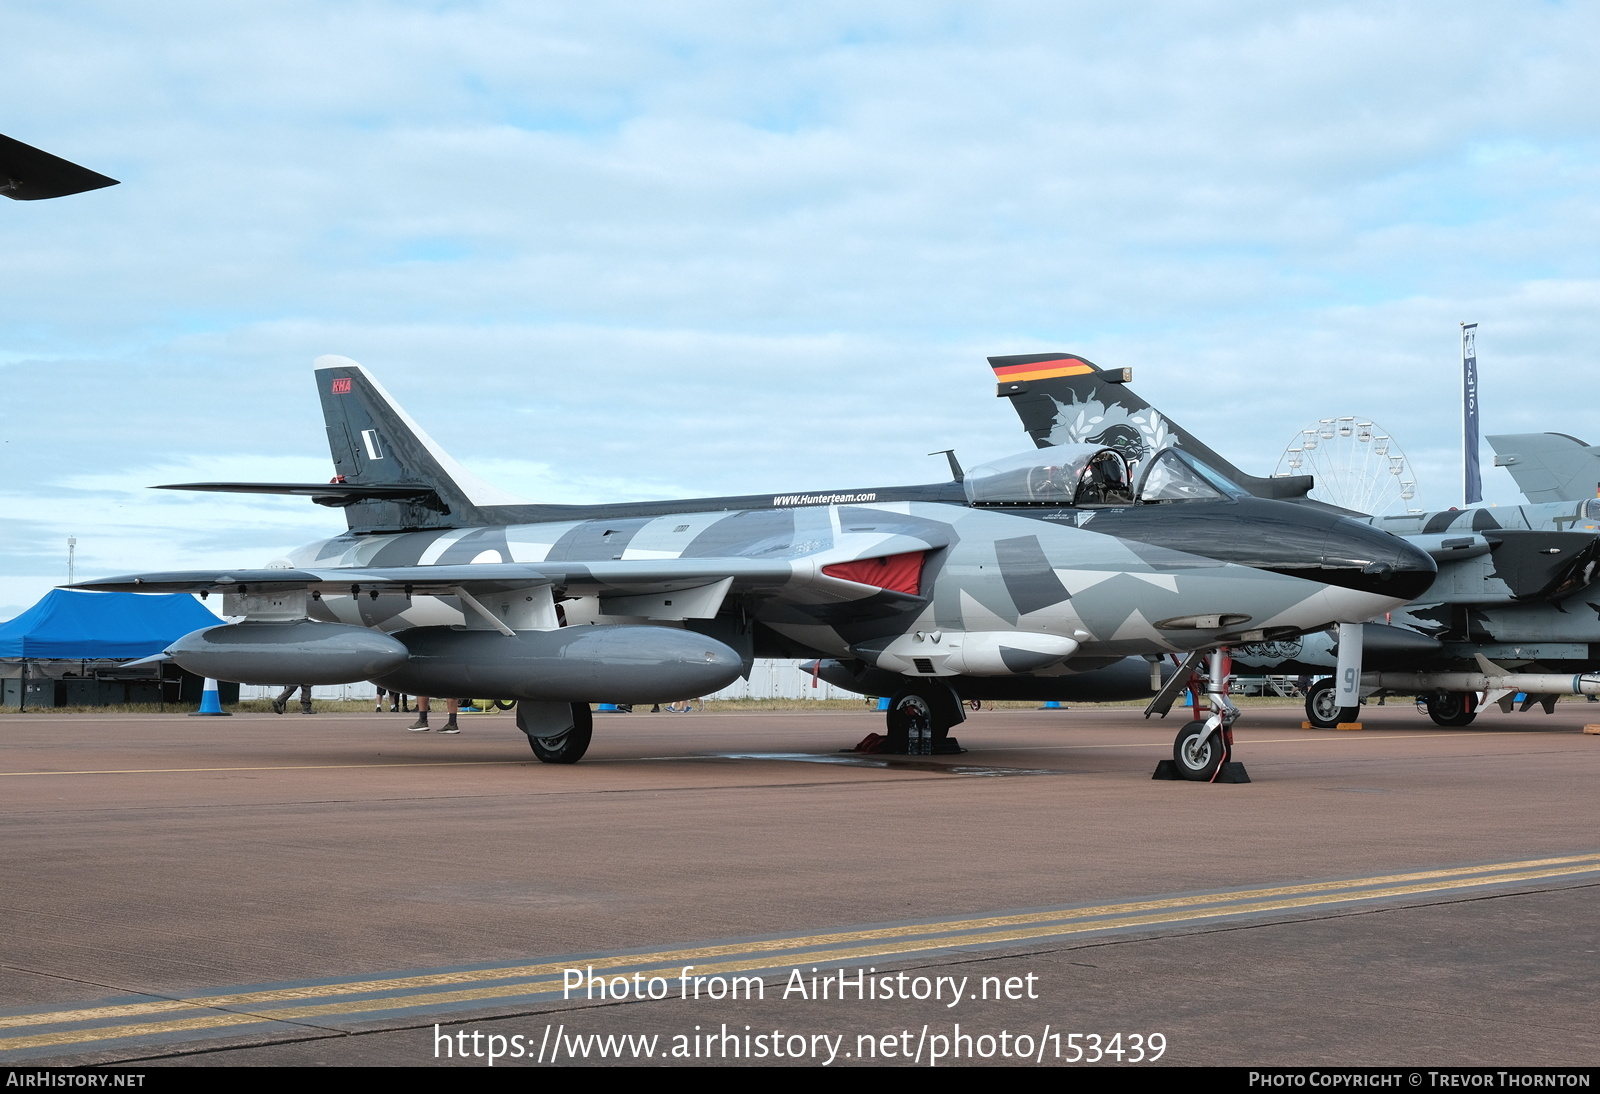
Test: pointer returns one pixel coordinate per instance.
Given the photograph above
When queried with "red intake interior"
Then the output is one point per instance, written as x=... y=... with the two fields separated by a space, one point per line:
x=901 y=573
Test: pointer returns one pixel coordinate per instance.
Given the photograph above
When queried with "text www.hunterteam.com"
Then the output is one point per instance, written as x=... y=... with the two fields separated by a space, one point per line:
x=822 y=499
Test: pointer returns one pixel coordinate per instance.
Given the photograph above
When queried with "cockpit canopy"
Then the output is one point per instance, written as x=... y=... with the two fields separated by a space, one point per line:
x=1176 y=476
x=1061 y=475
x=1076 y=475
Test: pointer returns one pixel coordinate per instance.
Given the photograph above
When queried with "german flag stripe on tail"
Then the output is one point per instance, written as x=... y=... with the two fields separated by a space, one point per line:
x=1043 y=370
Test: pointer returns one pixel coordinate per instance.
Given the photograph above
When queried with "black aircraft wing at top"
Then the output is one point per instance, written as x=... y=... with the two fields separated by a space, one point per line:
x=29 y=174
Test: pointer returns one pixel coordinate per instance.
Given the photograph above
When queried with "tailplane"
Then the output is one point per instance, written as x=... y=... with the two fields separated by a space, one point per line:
x=1064 y=399
x=391 y=476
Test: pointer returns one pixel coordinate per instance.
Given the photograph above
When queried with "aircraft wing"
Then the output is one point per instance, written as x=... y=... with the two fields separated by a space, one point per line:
x=28 y=173
x=576 y=578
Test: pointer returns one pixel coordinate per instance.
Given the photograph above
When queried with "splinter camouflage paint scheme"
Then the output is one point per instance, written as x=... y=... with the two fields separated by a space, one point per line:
x=1021 y=575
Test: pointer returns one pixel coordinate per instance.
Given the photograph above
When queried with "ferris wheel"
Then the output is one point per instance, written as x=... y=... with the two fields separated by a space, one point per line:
x=1357 y=466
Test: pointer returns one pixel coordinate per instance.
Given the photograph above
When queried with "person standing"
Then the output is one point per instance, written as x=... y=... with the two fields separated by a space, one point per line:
x=281 y=703
x=421 y=724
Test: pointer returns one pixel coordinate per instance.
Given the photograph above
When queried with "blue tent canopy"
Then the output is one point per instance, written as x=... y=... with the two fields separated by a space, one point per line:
x=70 y=624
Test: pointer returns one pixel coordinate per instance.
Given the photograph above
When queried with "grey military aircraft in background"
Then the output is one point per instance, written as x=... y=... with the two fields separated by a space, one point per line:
x=1512 y=610
x=1549 y=466
x=1026 y=570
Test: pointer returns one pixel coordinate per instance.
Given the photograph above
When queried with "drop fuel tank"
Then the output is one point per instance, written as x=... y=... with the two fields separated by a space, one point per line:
x=298 y=652
x=619 y=663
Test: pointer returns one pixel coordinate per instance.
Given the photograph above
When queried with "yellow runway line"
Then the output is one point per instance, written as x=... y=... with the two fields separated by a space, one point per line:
x=316 y=1001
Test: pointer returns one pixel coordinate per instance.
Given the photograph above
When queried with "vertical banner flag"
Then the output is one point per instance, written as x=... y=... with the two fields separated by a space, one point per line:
x=1469 y=412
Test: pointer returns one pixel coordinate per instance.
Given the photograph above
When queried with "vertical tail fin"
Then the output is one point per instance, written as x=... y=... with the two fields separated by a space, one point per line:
x=375 y=443
x=1064 y=399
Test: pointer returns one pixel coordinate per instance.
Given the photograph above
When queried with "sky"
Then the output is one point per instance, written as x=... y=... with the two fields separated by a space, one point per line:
x=619 y=251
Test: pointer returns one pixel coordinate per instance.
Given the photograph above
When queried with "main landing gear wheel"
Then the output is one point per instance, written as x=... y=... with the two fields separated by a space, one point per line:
x=1322 y=705
x=1451 y=708
x=910 y=716
x=569 y=746
x=505 y=704
x=923 y=705
x=1197 y=756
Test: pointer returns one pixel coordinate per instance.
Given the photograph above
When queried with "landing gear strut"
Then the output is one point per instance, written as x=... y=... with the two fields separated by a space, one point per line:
x=1203 y=749
x=1336 y=701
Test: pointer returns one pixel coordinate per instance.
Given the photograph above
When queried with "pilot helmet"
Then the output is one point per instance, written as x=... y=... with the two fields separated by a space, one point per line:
x=1105 y=480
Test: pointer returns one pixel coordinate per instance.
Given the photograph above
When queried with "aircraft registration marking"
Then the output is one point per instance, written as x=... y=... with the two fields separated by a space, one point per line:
x=375 y=999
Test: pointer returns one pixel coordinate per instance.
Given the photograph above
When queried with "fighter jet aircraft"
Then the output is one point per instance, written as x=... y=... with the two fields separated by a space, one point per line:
x=1511 y=612
x=1035 y=566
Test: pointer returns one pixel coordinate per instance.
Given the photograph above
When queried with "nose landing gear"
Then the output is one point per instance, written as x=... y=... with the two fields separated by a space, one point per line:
x=1203 y=750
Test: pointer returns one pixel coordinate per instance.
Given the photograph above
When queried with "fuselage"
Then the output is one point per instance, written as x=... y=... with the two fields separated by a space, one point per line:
x=1131 y=579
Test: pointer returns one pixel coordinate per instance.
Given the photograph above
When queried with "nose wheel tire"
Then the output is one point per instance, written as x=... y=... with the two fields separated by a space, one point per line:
x=567 y=747
x=1196 y=756
x=1322 y=705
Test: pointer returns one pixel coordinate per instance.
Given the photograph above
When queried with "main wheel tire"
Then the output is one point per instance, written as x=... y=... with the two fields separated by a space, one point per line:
x=1451 y=708
x=1322 y=705
x=929 y=701
x=1198 y=760
x=568 y=747
x=505 y=704
x=908 y=712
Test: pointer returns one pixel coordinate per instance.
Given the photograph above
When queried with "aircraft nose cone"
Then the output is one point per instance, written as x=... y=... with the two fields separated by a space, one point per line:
x=1373 y=561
